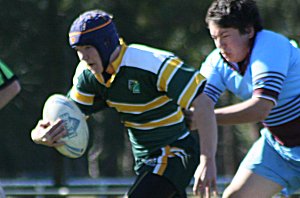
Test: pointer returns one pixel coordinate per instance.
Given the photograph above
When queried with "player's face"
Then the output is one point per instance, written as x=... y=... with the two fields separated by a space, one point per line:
x=90 y=55
x=233 y=45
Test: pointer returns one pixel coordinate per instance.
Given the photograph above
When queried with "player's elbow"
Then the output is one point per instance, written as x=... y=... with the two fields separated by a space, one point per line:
x=9 y=93
x=14 y=88
x=262 y=115
x=262 y=108
x=17 y=87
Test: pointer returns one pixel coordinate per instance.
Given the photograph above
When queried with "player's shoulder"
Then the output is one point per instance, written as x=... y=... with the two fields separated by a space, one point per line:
x=214 y=59
x=267 y=37
x=82 y=73
x=145 y=57
x=82 y=69
x=144 y=49
x=269 y=43
x=214 y=54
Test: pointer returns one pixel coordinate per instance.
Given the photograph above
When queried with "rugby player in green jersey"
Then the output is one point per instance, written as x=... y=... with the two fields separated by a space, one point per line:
x=9 y=88
x=150 y=88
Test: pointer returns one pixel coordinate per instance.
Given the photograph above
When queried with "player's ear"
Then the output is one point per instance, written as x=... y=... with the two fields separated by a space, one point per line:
x=250 y=32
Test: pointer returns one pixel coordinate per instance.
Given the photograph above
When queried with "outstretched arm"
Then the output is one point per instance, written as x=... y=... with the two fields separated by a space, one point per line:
x=252 y=110
x=204 y=122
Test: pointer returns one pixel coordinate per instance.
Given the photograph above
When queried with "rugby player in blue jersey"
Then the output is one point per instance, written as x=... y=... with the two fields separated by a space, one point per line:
x=149 y=88
x=263 y=69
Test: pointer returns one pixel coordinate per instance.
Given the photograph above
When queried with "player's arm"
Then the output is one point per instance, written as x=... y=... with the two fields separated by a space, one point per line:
x=205 y=123
x=8 y=92
x=253 y=110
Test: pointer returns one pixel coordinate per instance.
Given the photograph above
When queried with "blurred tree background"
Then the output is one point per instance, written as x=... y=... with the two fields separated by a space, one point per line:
x=34 y=43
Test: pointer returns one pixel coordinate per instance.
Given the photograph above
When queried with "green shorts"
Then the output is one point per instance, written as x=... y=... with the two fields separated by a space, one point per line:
x=177 y=162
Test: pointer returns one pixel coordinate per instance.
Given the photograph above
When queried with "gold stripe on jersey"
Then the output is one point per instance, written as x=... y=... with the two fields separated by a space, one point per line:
x=174 y=118
x=189 y=92
x=110 y=81
x=82 y=98
x=167 y=72
x=116 y=63
x=162 y=161
x=140 y=108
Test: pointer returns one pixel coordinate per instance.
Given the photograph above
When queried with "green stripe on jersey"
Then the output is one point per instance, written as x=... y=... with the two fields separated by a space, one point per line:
x=5 y=73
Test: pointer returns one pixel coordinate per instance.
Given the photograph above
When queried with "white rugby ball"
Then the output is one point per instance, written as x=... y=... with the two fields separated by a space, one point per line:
x=76 y=141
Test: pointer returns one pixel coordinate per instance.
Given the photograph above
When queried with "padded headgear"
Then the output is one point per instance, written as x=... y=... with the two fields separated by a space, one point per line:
x=95 y=28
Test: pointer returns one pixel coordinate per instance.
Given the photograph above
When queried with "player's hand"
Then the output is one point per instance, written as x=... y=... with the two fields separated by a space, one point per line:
x=205 y=183
x=49 y=134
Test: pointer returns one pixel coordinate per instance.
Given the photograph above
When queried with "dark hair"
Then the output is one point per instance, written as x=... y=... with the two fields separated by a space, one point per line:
x=239 y=14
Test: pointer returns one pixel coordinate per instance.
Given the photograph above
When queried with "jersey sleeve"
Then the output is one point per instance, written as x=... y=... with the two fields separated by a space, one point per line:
x=270 y=59
x=86 y=91
x=181 y=82
x=209 y=69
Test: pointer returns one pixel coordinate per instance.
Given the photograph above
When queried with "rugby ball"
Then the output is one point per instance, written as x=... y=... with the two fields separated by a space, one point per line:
x=76 y=141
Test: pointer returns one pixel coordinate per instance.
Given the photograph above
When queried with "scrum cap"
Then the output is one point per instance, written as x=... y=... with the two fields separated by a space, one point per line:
x=95 y=28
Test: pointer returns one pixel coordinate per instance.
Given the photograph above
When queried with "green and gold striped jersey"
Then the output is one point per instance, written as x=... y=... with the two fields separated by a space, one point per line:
x=149 y=89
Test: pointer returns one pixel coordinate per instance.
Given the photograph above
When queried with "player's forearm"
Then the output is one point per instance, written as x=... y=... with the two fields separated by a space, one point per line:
x=207 y=127
x=252 y=110
x=208 y=134
x=9 y=92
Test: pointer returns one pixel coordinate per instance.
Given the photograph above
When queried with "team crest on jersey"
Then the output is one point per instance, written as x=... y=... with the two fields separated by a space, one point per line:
x=134 y=86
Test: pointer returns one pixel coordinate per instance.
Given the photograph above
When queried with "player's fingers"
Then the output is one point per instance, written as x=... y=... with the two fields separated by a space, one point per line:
x=210 y=189
x=196 y=187
x=215 y=193
x=43 y=123
x=58 y=143
x=46 y=140
x=54 y=134
x=58 y=130
x=207 y=191
x=58 y=124
x=202 y=189
x=214 y=188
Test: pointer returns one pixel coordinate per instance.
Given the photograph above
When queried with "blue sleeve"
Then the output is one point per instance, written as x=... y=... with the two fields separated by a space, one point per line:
x=269 y=64
x=209 y=69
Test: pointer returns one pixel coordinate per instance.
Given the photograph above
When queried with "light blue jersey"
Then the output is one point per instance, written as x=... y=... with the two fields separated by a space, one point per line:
x=272 y=73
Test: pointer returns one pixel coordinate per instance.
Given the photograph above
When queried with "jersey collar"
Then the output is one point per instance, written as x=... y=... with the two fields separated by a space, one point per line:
x=116 y=63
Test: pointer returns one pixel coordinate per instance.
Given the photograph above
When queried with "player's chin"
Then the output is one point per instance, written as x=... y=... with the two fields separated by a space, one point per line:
x=228 y=57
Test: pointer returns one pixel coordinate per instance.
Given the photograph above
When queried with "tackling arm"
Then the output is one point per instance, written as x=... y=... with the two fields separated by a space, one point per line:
x=252 y=110
x=205 y=123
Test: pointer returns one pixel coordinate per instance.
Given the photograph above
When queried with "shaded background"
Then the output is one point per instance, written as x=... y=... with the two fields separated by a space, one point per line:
x=34 y=43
